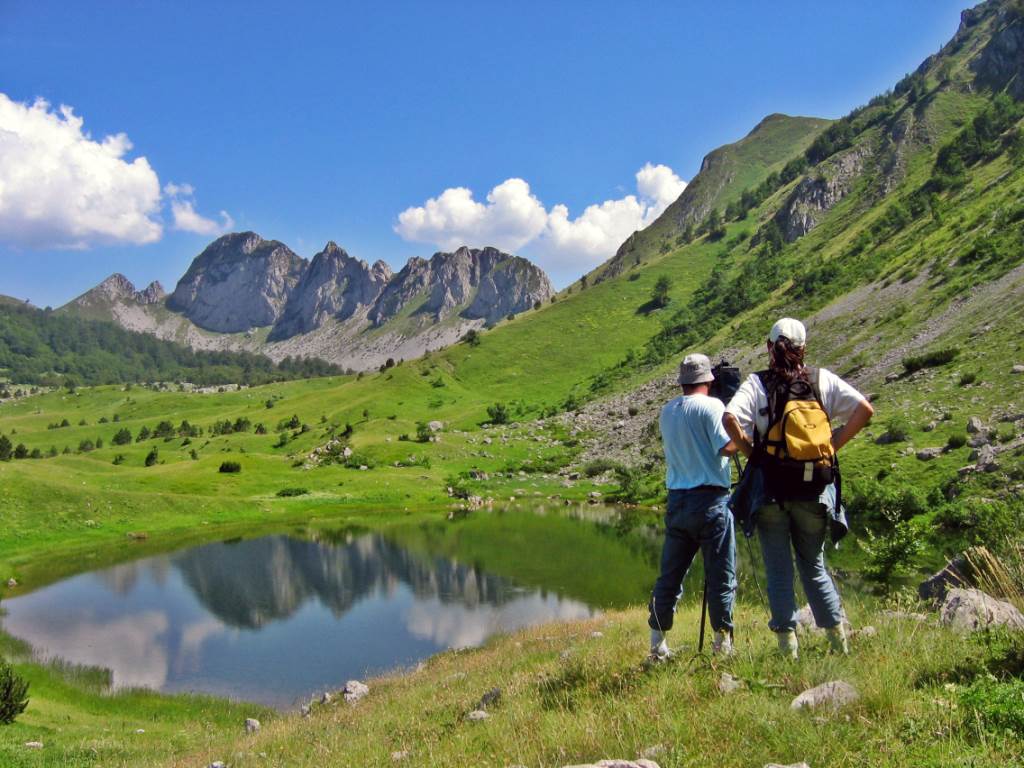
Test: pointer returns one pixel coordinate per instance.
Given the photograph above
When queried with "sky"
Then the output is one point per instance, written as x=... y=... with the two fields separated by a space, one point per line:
x=134 y=133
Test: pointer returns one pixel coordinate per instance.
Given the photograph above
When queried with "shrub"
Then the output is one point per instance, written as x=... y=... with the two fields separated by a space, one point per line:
x=956 y=441
x=13 y=694
x=968 y=378
x=598 y=467
x=118 y=460
x=897 y=427
x=122 y=437
x=893 y=552
x=498 y=413
x=996 y=704
x=152 y=457
x=230 y=468
x=286 y=492
x=659 y=294
x=930 y=359
x=423 y=432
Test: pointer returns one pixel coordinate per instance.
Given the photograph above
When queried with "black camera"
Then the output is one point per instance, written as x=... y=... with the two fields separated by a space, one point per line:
x=727 y=381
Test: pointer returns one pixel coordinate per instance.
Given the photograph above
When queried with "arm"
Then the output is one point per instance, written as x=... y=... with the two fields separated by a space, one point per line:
x=740 y=440
x=729 y=449
x=861 y=416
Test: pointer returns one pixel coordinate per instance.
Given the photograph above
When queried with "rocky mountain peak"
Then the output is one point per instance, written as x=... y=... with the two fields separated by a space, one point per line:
x=238 y=282
x=153 y=293
x=117 y=287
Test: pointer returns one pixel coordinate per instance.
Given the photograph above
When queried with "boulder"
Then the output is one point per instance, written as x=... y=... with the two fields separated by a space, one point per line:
x=354 y=691
x=435 y=426
x=834 y=695
x=477 y=715
x=971 y=610
x=954 y=574
x=985 y=458
x=252 y=725
x=975 y=425
x=978 y=440
x=1017 y=369
x=927 y=454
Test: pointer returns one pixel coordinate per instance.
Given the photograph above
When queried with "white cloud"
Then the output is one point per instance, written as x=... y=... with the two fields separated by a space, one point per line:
x=187 y=219
x=60 y=188
x=513 y=219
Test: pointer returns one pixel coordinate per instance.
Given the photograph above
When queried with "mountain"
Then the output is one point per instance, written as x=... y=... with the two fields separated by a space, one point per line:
x=240 y=281
x=244 y=293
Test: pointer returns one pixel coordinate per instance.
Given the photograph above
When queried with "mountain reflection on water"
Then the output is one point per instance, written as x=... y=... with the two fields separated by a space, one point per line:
x=277 y=618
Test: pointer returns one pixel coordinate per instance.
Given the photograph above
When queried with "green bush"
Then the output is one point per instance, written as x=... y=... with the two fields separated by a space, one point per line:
x=893 y=552
x=998 y=705
x=286 y=492
x=230 y=467
x=968 y=378
x=930 y=359
x=423 y=432
x=897 y=428
x=498 y=413
x=13 y=694
x=956 y=441
x=598 y=467
x=152 y=457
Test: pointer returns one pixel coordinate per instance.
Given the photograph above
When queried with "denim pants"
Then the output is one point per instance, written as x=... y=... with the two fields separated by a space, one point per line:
x=695 y=520
x=798 y=528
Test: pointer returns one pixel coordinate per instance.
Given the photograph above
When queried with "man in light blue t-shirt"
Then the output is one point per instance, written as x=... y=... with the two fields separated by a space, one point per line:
x=697 y=450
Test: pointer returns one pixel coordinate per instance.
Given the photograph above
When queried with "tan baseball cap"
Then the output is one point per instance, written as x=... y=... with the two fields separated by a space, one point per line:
x=695 y=369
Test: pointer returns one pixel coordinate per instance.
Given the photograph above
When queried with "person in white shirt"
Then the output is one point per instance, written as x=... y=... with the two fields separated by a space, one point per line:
x=697 y=517
x=792 y=526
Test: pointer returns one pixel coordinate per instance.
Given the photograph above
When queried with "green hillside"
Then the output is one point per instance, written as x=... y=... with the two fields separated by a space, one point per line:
x=897 y=232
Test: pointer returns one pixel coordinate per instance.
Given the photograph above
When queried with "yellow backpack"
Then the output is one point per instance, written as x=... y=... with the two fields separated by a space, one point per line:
x=796 y=454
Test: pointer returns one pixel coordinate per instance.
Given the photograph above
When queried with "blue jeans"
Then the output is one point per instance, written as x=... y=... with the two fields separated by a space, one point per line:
x=695 y=520
x=798 y=528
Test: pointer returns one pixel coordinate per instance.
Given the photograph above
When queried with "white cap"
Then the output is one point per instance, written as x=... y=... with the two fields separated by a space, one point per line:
x=792 y=329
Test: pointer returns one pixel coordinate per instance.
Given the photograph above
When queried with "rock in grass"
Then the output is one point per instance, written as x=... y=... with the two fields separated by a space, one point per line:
x=354 y=691
x=975 y=425
x=252 y=725
x=1019 y=368
x=641 y=763
x=952 y=575
x=834 y=695
x=33 y=745
x=216 y=764
x=399 y=755
x=326 y=698
x=477 y=715
x=729 y=684
x=12 y=583
x=971 y=610
x=927 y=454
x=788 y=765
x=490 y=698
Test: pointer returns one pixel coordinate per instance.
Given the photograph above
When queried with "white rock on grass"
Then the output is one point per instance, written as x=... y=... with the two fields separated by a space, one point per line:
x=729 y=684
x=834 y=694
x=641 y=763
x=252 y=725
x=805 y=620
x=787 y=765
x=1017 y=369
x=477 y=715
x=34 y=744
x=971 y=610
x=399 y=755
x=12 y=583
x=354 y=691
x=975 y=425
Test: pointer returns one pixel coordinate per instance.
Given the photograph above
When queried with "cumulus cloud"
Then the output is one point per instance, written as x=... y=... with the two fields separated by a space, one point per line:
x=510 y=218
x=513 y=218
x=187 y=219
x=60 y=188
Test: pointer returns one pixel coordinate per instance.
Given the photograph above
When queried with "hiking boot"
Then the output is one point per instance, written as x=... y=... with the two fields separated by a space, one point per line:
x=659 y=646
x=837 y=639
x=722 y=644
x=788 y=646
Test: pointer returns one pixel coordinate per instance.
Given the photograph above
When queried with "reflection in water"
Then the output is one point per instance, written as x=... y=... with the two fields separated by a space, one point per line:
x=274 y=619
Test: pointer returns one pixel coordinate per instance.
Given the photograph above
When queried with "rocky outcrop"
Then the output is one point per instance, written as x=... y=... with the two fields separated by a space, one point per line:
x=971 y=610
x=118 y=289
x=816 y=195
x=478 y=284
x=153 y=293
x=1001 y=63
x=240 y=281
x=334 y=286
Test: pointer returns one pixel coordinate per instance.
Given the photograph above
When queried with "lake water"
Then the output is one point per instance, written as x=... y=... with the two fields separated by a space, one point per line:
x=278 y=618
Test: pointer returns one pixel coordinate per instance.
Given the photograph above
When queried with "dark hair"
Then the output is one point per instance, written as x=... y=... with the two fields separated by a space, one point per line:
x=786 y=360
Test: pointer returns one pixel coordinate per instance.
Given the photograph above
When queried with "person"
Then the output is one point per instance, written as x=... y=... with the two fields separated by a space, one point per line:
x=697 y=515
x=785 y=526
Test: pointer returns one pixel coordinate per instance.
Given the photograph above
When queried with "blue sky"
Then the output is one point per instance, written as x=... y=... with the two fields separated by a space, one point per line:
x=309 y=122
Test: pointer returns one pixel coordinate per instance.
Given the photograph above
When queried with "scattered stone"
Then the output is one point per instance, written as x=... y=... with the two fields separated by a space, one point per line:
x=137 y=535
x=34 y=744
x=12 y=583
x=805 y=620
x=354 y=691
x=326 y=698
x=729 y=684
x=252 y=725
x=971 y=610
x=868 y=631
x=1017 y=369
x=305 y=710
x=788 y=765
x=891 y=377
x=399 y=755
x=477 y=715
x=978 y=440
x=435 y=426
x=927 y=454
x=641 y=763
x=216 y=764
x=834 y=695
x=930 y=426
x=596 y=634
x=975 y=425
x=574 y=476
x=653 y=751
